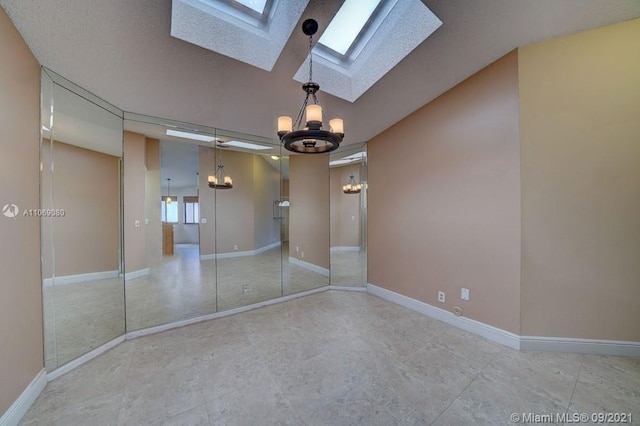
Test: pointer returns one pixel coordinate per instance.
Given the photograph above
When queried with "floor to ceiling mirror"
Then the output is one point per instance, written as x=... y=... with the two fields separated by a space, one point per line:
x=348 y=182
x=164 y=206
x=81 y=219
x=245 y=175
x=306 y=260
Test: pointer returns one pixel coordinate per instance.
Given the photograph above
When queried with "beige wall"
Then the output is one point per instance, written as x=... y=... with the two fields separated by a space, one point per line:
x=234 y=207
x=580 y=135
x=444 y=199
x=135 y=237
x=243 y=215
x=86 y=185
x=21 y=351
x=153 y=229
x=345 y=208
x=309 y=212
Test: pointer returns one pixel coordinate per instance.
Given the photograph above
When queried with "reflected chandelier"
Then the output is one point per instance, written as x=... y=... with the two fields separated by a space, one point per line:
x=312 y=138
x=352 y=187
x=220 y=180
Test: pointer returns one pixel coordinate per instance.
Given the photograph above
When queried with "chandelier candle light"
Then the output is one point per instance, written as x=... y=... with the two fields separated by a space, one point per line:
x=312 y=138
x=220 y=180
x=352 y=187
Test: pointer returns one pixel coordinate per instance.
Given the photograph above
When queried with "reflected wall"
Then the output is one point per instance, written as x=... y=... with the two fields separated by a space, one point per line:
x=81 y=157
x=348 y=166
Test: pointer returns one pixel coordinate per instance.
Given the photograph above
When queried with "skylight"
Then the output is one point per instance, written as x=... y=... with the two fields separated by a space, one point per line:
x=364 y=41
x=255 y=5
x=348 y=23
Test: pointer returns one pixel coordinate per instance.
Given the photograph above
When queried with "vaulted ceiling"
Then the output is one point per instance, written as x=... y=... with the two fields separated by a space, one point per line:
x=122 y=51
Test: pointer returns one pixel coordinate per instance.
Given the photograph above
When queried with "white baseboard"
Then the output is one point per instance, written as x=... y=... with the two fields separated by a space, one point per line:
x=344 y=248
x=177 y=324
x=310 y=266
x=20 y=406
x=487 y=331
x=239 y=253
x=347 y=288
x=581 y=346
x=84 y=358
x=523 y=343
x=136 y=274
x=80 y=278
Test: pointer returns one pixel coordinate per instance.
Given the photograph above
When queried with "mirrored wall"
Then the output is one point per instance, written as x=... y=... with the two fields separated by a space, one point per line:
x=81 y=158
x=160 y=222
x=348 y=201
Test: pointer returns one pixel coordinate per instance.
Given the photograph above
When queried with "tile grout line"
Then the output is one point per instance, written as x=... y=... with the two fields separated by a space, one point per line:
x=126 y=382
x=466 y=387
x=575 y=385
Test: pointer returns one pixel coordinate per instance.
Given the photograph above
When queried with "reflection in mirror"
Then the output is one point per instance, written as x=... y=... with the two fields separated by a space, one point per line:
x=81 y=154
x=348 y=216
x=306 y=262
x=165 y=280
x=247 y=234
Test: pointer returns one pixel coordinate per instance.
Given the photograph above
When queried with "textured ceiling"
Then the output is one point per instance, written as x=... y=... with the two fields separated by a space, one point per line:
x=122 y=51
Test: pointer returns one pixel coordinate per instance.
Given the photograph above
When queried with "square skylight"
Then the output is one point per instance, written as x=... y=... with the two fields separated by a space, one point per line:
x=389 y=33
x=347 y=24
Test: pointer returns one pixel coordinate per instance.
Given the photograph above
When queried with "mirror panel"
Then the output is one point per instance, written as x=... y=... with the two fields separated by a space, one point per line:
x=248 y=234
x=306 y=265
x=164 y=205
x=81 y=154
x=348 y=216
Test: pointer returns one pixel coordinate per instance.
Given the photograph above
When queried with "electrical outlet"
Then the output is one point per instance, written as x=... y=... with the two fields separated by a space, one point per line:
x=245 y=289
x=302 y=255
x=464 y=294
x=441 y=296
x=235 y=247
x=297 y=249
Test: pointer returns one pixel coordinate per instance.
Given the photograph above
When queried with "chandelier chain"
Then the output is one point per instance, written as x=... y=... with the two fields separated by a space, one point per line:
x=310 y=59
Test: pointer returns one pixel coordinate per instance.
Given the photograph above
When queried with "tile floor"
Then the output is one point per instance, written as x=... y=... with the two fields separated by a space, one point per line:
x=333 y=358
x=80 y=317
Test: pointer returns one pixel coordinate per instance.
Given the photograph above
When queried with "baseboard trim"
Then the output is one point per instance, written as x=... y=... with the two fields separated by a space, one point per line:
x=240 y=253
x=310 y=266
x=84 y=358
x=177 y=324
x=347 y=288
x=472 y=326
x=136 y=274
x=581 y=346
x=344 y=248
x=20 y=406
x=80 y=278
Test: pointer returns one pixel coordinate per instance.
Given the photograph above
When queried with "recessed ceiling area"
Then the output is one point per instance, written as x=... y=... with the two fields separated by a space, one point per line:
x=123 y=52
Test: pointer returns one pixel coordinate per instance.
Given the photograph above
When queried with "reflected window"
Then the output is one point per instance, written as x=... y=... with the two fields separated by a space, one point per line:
x=169 y=210
x=191 y=210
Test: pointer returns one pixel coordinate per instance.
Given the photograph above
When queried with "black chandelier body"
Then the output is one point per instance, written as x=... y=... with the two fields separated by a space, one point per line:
x=311 y=138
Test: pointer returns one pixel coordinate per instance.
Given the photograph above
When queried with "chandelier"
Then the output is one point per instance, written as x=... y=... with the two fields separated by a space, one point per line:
x=168 y=199
x=220 y=180
x=312 y=138
x=352 y=187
